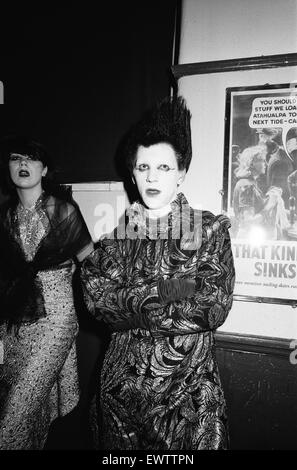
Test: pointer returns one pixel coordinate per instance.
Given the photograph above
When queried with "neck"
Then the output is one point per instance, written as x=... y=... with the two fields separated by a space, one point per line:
x=157 y=213
x=162 y=211
x=28 y=197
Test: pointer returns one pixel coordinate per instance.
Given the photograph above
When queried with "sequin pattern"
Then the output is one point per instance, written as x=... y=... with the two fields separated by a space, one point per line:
x=38 y=379
x=32 y=226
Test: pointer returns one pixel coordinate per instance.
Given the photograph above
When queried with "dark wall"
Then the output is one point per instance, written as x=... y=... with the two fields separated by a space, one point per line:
x=260 y=386
x=76 y=78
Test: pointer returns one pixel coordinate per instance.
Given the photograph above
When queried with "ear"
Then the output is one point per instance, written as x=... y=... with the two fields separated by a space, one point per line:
x=44 y=171
x=182 y=175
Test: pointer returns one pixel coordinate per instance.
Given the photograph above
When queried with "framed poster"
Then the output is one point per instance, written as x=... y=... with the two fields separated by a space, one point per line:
x=260 y=190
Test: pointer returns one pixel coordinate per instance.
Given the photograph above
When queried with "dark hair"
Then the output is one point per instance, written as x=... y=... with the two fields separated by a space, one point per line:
x=167 y=122
x=24 y=146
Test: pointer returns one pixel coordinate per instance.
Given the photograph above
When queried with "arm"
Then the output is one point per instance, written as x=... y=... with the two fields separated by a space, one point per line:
x=68 y=237
x=84 y=252
x=109 y=294
x=80 y=236
x=215 y=276
x=141 y=306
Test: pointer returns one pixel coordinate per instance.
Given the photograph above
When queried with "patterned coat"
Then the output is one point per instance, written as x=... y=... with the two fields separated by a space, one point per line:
x=160 y=386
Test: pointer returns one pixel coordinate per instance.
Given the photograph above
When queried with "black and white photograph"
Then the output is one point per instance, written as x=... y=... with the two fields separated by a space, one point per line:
x=148 y=232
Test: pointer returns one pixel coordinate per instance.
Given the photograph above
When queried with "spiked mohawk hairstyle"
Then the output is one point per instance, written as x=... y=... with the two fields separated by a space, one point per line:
x=167 y=122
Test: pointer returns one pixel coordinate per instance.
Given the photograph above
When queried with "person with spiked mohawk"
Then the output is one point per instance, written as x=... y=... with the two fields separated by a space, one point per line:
x=163 y=285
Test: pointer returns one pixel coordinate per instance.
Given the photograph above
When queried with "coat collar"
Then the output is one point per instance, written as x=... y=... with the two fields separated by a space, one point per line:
x=169 y=226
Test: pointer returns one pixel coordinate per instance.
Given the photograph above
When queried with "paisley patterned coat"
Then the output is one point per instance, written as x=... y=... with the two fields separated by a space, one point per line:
x=160 y=386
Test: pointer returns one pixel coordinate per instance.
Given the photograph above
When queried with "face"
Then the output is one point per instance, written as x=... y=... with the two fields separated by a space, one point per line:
x=25 y=172
x=259 y=164
x=156 y=175
x=263 y=138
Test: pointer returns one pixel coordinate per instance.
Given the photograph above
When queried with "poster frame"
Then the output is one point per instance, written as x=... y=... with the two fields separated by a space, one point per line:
x=252 y=92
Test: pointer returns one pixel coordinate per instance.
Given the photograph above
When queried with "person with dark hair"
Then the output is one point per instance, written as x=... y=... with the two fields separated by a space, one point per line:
x=279 y=164
x=163 y=284
x=291 y=147
x=41 y=236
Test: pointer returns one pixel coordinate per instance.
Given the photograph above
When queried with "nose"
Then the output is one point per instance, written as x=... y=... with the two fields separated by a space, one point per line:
x=23 y=160
x=152 y=175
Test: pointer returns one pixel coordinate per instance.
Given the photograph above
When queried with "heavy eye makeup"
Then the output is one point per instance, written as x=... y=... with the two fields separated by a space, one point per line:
x=145 y=167
x=19 y=158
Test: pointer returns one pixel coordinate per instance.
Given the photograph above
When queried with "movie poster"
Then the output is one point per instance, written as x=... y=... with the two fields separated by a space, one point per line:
x=260 y=190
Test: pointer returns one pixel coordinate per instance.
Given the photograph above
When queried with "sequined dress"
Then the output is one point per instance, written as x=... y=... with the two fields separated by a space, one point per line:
x=159 y=386
x=38 y=377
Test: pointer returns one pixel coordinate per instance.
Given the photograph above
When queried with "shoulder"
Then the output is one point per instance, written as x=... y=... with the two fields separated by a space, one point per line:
x=280 y=164
x=63 y=202
x=60 y=206
x=243 y=184
x=109 y=242
x=106 y=252
x=277 y=158
x=293 y=176
x=215 y=221
x=6 y=209
x=214 y=225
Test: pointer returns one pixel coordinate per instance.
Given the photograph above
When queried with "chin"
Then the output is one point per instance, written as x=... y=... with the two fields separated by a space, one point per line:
x=24 y=185
x=153 y=204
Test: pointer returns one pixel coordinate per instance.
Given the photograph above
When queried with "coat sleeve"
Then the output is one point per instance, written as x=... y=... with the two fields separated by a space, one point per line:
x=109 y=293
x=110 y=296
x=215 y=276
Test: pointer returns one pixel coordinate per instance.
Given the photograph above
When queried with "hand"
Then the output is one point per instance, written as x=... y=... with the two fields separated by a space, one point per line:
x=175 y=289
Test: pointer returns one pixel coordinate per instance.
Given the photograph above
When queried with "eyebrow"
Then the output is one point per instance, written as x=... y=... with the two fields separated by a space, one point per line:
x=28 y=155
x=146 y=163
